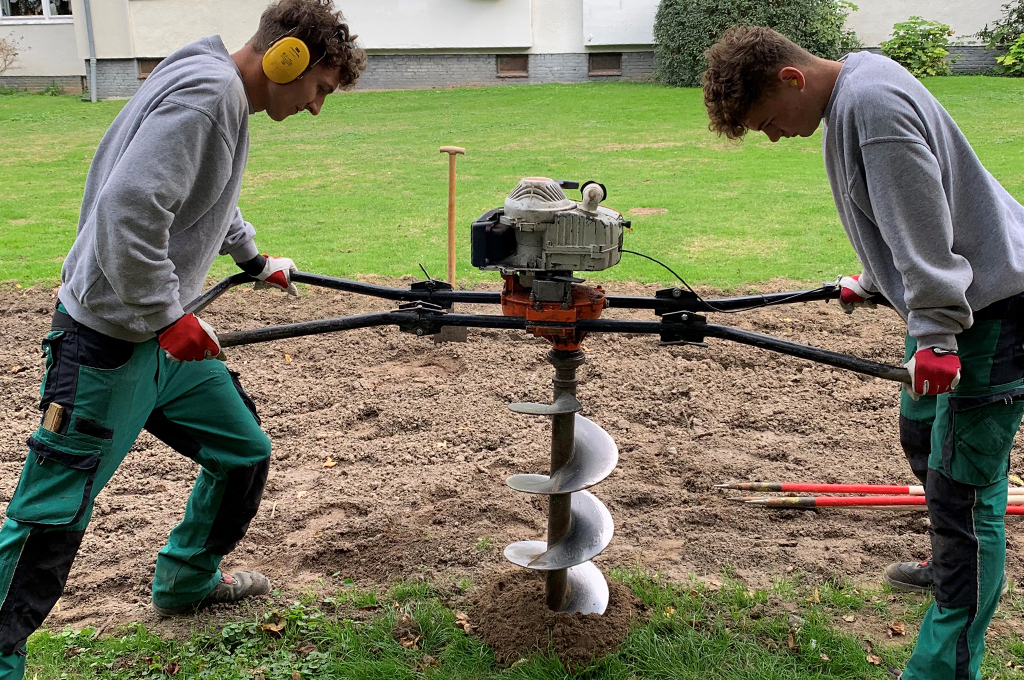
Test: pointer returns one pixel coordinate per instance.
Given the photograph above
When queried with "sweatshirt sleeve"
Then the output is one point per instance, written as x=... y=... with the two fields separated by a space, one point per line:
x=137 y=206
x=904 y=184
x=239 y=243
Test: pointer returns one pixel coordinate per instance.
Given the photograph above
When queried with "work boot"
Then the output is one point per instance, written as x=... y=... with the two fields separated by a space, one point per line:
x=916 y=577
x=232 y=588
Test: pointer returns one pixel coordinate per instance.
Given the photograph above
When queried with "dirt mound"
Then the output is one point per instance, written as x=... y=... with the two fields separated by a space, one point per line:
x=422 y=440
x=512 y=618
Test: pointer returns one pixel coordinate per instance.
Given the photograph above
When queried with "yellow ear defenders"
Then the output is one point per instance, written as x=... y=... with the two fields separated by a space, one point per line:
x=286 y=60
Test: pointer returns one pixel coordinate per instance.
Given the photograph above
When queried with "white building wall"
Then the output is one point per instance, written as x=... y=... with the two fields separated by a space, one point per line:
x=874 y=19
x=619 y=22
x=112 y=29
x=44 y=50
x=159 y=29
x=440 y=24
x=557 y=26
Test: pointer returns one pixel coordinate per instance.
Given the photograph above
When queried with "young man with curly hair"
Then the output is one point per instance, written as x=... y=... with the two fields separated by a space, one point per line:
x=161 y=202
x=943 y=242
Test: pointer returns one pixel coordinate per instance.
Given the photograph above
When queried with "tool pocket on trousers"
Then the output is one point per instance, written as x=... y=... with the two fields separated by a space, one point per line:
x=56 y=482
x=51 y=347
x=980 y=436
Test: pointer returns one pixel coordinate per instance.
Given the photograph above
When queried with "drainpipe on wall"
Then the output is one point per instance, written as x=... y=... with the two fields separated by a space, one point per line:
x=92 y=53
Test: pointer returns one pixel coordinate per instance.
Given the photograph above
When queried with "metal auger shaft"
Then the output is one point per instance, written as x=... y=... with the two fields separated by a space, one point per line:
x=579 y=525
x=563 y=432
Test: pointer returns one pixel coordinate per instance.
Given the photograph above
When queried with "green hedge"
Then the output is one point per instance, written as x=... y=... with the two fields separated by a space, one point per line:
x=685 y=29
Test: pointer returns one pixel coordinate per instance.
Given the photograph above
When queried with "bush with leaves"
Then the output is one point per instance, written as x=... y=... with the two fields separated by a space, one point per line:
x=1005 y=31
x=8 y=53
x=1012 y=63
x=922 y=47
x=685 y=29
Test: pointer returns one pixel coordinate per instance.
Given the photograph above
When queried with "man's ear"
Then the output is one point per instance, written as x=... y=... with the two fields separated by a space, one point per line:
x=793 y=77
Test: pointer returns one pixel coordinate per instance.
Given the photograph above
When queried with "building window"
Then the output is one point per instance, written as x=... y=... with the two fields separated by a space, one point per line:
x=513 y=66
x=146 y=67
x=23 y=11
x=606 y=64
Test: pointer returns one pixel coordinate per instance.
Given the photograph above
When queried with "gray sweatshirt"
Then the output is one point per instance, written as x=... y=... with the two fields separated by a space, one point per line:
x=936 y=234
x=161 y=198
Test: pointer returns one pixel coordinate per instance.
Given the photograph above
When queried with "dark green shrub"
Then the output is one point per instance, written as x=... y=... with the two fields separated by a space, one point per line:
x=52 y=90
x=685 y=29
x=1012 y=63
x=1007 y=30
x=922 y=47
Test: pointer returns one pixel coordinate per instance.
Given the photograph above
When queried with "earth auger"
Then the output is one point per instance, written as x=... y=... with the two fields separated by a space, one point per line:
x=537 y=242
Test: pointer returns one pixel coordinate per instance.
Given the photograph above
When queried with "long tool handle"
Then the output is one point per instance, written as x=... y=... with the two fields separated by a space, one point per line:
x=815 y=354
x=453 y=152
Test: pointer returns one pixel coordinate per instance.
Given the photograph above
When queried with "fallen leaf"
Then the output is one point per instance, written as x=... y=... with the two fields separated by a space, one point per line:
x=824 y=657
x=296 y=675
x=874 y=660
x=411 y=643
x=289 y=360
x=815 y=597
x=1016 y=480
x=274 y=625
x=669 y=611
x=172 y=668
x=792 y=640
x=307 y=648
x=301 y=494
x=462 y=621
x=330 y=462
x=18 y=369
x=258 y=674
x=897 y=628
x=849 y=618
x=428 y=662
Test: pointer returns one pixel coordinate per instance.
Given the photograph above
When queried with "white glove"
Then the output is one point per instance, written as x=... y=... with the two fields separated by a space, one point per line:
x=277 y=273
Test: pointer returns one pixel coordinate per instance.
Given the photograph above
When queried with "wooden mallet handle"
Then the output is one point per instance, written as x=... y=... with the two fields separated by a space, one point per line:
x=452 y=152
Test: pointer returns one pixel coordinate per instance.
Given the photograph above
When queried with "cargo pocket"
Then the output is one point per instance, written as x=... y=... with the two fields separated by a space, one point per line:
x=51 y=344
x=981 y=431
x=56 y=483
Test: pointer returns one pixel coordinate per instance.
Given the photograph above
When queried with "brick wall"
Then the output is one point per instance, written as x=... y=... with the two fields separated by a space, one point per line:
x=116 y=78
x=422 y=71
x=70 y=84
x=973 y=59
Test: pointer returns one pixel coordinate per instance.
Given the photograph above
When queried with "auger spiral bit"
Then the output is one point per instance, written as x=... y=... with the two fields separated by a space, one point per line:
x=579 y=525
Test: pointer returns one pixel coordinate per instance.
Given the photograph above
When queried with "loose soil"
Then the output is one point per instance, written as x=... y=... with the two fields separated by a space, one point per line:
x=422 y=441
x=513 y=619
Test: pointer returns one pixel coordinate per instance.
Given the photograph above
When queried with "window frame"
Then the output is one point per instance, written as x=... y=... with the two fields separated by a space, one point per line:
x=45 y=18
x=139 y=62
x=603 y=73
x=512 y=74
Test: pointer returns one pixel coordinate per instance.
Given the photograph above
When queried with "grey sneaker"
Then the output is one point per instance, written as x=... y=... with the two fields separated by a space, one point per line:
x=232 y=588
x=916 y=577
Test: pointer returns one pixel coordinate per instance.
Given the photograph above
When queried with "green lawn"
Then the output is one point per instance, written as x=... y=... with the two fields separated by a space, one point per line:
x=688 y=631
x=362 y=188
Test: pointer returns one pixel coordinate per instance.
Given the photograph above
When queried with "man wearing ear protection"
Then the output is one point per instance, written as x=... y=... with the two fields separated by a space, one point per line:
x=161 y=202
x=940 y=239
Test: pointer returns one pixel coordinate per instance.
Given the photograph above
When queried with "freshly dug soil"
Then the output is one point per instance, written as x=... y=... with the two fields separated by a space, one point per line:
x=418 y=439
x=512 y=618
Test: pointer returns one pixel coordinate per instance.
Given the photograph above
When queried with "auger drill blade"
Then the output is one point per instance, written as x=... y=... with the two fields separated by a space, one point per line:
x=590 y=533
x=564 y=405
x=588 y=591
x=594 y=456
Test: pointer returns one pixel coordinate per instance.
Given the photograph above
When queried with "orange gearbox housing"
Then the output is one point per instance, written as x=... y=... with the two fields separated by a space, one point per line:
x=543 y=318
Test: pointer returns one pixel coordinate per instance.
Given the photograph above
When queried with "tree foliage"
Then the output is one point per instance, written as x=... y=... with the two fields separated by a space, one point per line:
x=1005 y=31
x=922 y=47
x=685 y=29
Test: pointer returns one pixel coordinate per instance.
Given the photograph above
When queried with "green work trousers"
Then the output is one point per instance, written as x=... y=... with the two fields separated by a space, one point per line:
x=959 y=445
x=110 y=390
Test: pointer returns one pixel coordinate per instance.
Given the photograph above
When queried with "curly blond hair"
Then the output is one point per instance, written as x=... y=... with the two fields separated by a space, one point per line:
x=321 y=27
x=743 y=66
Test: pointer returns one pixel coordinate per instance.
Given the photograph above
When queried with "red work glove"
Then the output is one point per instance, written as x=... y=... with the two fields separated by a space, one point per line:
x=934 y=371
x=189 y=339
x=277 y=273
x=853 y=295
